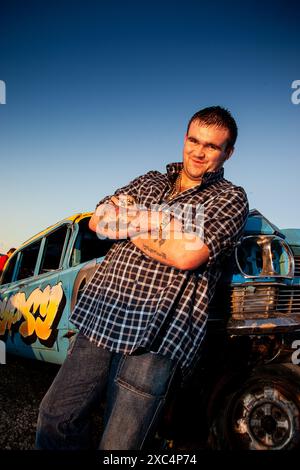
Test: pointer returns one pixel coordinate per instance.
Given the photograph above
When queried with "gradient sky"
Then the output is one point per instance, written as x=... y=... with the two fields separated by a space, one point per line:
x=99 y=92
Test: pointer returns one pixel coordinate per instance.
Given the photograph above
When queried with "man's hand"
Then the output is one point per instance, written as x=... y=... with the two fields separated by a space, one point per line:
x=112 y=221
x=120 y=218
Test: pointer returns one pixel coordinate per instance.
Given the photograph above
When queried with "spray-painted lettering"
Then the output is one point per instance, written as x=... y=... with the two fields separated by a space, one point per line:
x=37 y=313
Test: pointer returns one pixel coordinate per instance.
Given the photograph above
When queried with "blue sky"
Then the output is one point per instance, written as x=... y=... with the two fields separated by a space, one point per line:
x=99 y=92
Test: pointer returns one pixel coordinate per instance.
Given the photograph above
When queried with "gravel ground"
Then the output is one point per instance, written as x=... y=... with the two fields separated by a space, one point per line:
x=23 y=383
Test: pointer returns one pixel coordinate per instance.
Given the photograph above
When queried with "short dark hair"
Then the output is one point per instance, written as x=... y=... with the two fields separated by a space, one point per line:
x=219 y=117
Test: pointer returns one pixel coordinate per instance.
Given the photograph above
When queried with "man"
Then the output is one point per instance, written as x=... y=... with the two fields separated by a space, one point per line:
x=142 y=317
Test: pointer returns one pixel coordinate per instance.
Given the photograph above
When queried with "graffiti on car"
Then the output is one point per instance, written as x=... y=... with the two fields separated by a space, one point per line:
x=36 y=316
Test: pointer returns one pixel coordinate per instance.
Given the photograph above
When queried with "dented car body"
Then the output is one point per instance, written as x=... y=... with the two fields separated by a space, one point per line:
x=246 y=389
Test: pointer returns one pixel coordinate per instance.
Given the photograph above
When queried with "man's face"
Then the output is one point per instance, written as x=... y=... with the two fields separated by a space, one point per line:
x=205 y=150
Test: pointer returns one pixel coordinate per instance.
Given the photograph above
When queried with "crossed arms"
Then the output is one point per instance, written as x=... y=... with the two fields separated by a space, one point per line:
x=156 y=234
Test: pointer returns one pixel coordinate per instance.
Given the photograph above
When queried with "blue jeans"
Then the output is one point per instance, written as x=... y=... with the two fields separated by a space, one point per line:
x=136 y=388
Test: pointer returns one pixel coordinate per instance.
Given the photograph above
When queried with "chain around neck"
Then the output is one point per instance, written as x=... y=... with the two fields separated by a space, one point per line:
x=176 y=188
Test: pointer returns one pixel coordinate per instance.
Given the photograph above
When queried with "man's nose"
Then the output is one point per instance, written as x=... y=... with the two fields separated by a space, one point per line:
x=200 y=150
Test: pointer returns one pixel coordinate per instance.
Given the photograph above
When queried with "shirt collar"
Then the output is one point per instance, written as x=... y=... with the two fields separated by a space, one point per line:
x=208 y=178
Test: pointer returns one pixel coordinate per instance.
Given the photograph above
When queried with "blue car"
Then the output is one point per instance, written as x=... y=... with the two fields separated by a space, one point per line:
x=41 y=284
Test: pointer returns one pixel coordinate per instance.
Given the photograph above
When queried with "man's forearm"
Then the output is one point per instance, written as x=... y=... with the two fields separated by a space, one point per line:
x=159 y=238
x=181 y=250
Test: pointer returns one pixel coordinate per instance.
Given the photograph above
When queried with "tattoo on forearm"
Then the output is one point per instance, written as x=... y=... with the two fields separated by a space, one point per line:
x=151 y=250
x=160 y=241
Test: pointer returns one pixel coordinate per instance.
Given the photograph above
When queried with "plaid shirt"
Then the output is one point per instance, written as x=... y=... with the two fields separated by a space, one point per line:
x=133 y=301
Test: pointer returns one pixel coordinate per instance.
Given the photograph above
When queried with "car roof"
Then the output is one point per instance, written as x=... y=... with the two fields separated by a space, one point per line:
x=73 y=218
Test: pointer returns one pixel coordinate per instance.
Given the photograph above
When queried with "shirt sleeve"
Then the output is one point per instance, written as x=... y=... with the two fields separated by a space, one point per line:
x=224 y=220
x=131 y=189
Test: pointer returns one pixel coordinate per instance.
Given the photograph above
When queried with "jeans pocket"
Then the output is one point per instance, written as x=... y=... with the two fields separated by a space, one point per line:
x=80 y=341
x=147 y=374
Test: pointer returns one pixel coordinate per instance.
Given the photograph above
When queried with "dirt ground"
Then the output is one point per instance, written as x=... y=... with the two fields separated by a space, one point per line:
x=23 y=383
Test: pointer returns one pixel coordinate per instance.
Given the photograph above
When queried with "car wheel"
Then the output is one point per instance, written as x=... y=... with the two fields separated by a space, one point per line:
x=263 y=413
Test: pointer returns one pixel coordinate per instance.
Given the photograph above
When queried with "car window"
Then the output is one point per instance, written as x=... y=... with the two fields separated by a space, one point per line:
x=54 y=245
x=9 y=270
x=29 y=257
x=87 y=245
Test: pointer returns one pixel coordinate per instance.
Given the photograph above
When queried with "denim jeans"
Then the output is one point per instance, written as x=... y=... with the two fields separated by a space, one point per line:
x=136 y=388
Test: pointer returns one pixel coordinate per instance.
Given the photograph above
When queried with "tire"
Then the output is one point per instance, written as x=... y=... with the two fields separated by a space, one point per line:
x=262 y=413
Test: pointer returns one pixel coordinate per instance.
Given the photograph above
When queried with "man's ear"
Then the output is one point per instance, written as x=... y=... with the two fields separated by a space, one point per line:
x=228 y=154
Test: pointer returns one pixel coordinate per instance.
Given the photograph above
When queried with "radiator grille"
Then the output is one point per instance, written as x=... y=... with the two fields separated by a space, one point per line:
x=264 y=301
x=297 y=265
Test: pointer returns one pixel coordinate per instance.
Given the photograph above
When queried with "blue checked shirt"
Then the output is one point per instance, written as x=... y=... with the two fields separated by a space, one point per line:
x=133 y=301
